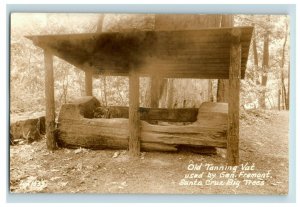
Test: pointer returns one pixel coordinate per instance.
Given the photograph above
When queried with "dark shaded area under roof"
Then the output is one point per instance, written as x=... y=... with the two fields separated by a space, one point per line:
x=203 y=53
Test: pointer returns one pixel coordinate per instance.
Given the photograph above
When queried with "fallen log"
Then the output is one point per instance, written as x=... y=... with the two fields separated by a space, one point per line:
x=113 y=133
x=74 y=130
x=81 y=108
x=27 y=129
x=207 y=150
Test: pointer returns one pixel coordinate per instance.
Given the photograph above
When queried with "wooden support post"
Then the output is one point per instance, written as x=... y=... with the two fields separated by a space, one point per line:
x=234 y=99
x=134 y=116
x=50 y=106
x=88 y=83
x=278 y=101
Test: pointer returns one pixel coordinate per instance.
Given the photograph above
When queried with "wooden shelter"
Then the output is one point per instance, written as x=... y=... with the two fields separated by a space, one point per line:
x=214 y=53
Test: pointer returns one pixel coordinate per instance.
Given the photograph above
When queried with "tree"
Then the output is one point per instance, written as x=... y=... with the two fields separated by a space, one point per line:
x=254 y=76
x=27 y=90
x=282 y=62
x=27 y=65
x=189 y=22
x=271 y=28
x=265 y=65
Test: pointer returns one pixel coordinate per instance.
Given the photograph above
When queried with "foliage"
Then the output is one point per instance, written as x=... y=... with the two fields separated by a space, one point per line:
x=251 y=87
x=27 y=66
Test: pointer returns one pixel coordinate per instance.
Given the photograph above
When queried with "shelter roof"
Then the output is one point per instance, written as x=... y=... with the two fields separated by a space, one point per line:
x=203 y=53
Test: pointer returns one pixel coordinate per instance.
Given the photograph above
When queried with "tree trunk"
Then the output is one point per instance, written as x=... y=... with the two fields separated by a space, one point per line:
x=284 y=94
x=288 y=94
x=254 y=75
x=265 y=67
x=173 y=22
x=278 y=101
x=100 y=23
x=104 y=90
x=170 y=93
x=155 y=91
x=210 y=95
x=222 y=91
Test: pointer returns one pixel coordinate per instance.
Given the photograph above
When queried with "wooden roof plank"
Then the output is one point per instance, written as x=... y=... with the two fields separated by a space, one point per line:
x=186 y=53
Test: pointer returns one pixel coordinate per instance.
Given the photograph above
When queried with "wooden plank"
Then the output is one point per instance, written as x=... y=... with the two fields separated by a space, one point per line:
x=134 y=117
x=234 y=99
x=87 y=39
x=149 y=114
x=50 y=106
x=169 y=74
x=195 y=75
x=88 y=83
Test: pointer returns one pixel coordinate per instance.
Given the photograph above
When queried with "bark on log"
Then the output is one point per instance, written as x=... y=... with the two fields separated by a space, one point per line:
x=82 y=107
x=207 y=150
x=28 y=130
x=210 y=129
x=113 y=133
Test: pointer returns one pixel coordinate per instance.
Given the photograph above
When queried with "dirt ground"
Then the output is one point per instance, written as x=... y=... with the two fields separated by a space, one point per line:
x=263 y=141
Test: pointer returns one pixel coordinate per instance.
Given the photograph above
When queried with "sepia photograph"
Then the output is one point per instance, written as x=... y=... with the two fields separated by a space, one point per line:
x=116 y=103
